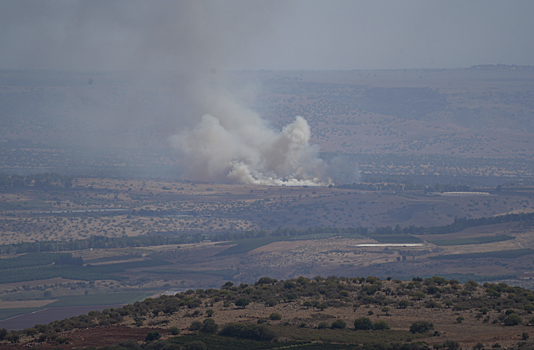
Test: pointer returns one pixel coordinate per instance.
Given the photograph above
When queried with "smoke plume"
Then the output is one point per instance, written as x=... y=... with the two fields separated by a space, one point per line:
x=184 y=46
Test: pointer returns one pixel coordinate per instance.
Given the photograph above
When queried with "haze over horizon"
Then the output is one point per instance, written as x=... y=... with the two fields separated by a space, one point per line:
x=277 y=35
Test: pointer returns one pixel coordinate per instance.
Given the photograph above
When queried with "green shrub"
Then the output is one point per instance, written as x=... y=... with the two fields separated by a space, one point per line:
x=380 y=325
x=209 y=326
x=129 y=344
x=451 y=344
x=363 y=323
x=248 y=331
x=195 y=345
x=403 y=304
x=421 y=327
x=339 y=324
x=275 y=316
x=271 y=302
x=512 y=320
x=152 y=335
x=196 y=326
x=174 y=330
x=323 y=325
x=242 y=302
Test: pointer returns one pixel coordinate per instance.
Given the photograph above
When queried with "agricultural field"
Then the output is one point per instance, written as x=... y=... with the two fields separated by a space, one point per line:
x=117 y=208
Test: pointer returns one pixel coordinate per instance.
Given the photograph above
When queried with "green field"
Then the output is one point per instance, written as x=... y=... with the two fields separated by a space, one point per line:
x=474 y=240
x=85 y=273
x=225 y=274
x=7 y=313
x=499 y=254
x=113 y=258
x=100 y=299
x=246 y=245
x=80 y=300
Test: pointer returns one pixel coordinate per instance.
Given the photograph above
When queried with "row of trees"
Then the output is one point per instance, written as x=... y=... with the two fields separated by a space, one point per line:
x=35 y=180
x=100 y=242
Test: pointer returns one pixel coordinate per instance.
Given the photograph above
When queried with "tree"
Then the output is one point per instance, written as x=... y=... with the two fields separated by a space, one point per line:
x=529 y=308
x=421 y=327
x=196 y=326
x=210 y=312
x=275 y=316
x=380 y=325
x=339 y=324
x=451 y=345
x=403 y=304
x=386 y=310
x=418 y=295
x=323 y=325
x=478 y=346
x=322 y=306
x=363 y=323
x=195 y=345
x=242 y=302
x=174 y=330
x=152 y=335
x=209 y=326
x=512 y=320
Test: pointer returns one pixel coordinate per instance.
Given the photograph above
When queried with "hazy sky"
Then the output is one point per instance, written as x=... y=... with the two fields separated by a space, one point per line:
x=401 y=34
x=298 y=34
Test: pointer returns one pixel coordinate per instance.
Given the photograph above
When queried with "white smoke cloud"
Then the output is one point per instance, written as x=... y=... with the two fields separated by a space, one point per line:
x=242 y=148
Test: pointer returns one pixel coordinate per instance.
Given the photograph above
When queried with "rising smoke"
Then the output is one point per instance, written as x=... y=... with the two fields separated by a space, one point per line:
x=188 y=45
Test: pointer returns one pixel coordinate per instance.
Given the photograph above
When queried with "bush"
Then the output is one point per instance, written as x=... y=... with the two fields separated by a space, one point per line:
x=403 y=304
x=196 y=326
x=421 y=327
x=195 y=345
x=275 y=316
x=451 y=344
x=129 y=344
x=363 y=323
x=209 y=326
x=512 y=320
x=242 y=302
x=321 y=306
x=174 y=330
x=152 y=335
x=248 y=331
x=339 y=324
x=271 y=302
x=380 y=325
x=323 y=325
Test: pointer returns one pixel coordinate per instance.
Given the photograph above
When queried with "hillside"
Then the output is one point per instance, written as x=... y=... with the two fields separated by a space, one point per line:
x=318 y=313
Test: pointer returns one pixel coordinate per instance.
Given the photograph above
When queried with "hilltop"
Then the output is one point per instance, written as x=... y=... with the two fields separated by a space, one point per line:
x=318 y=313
